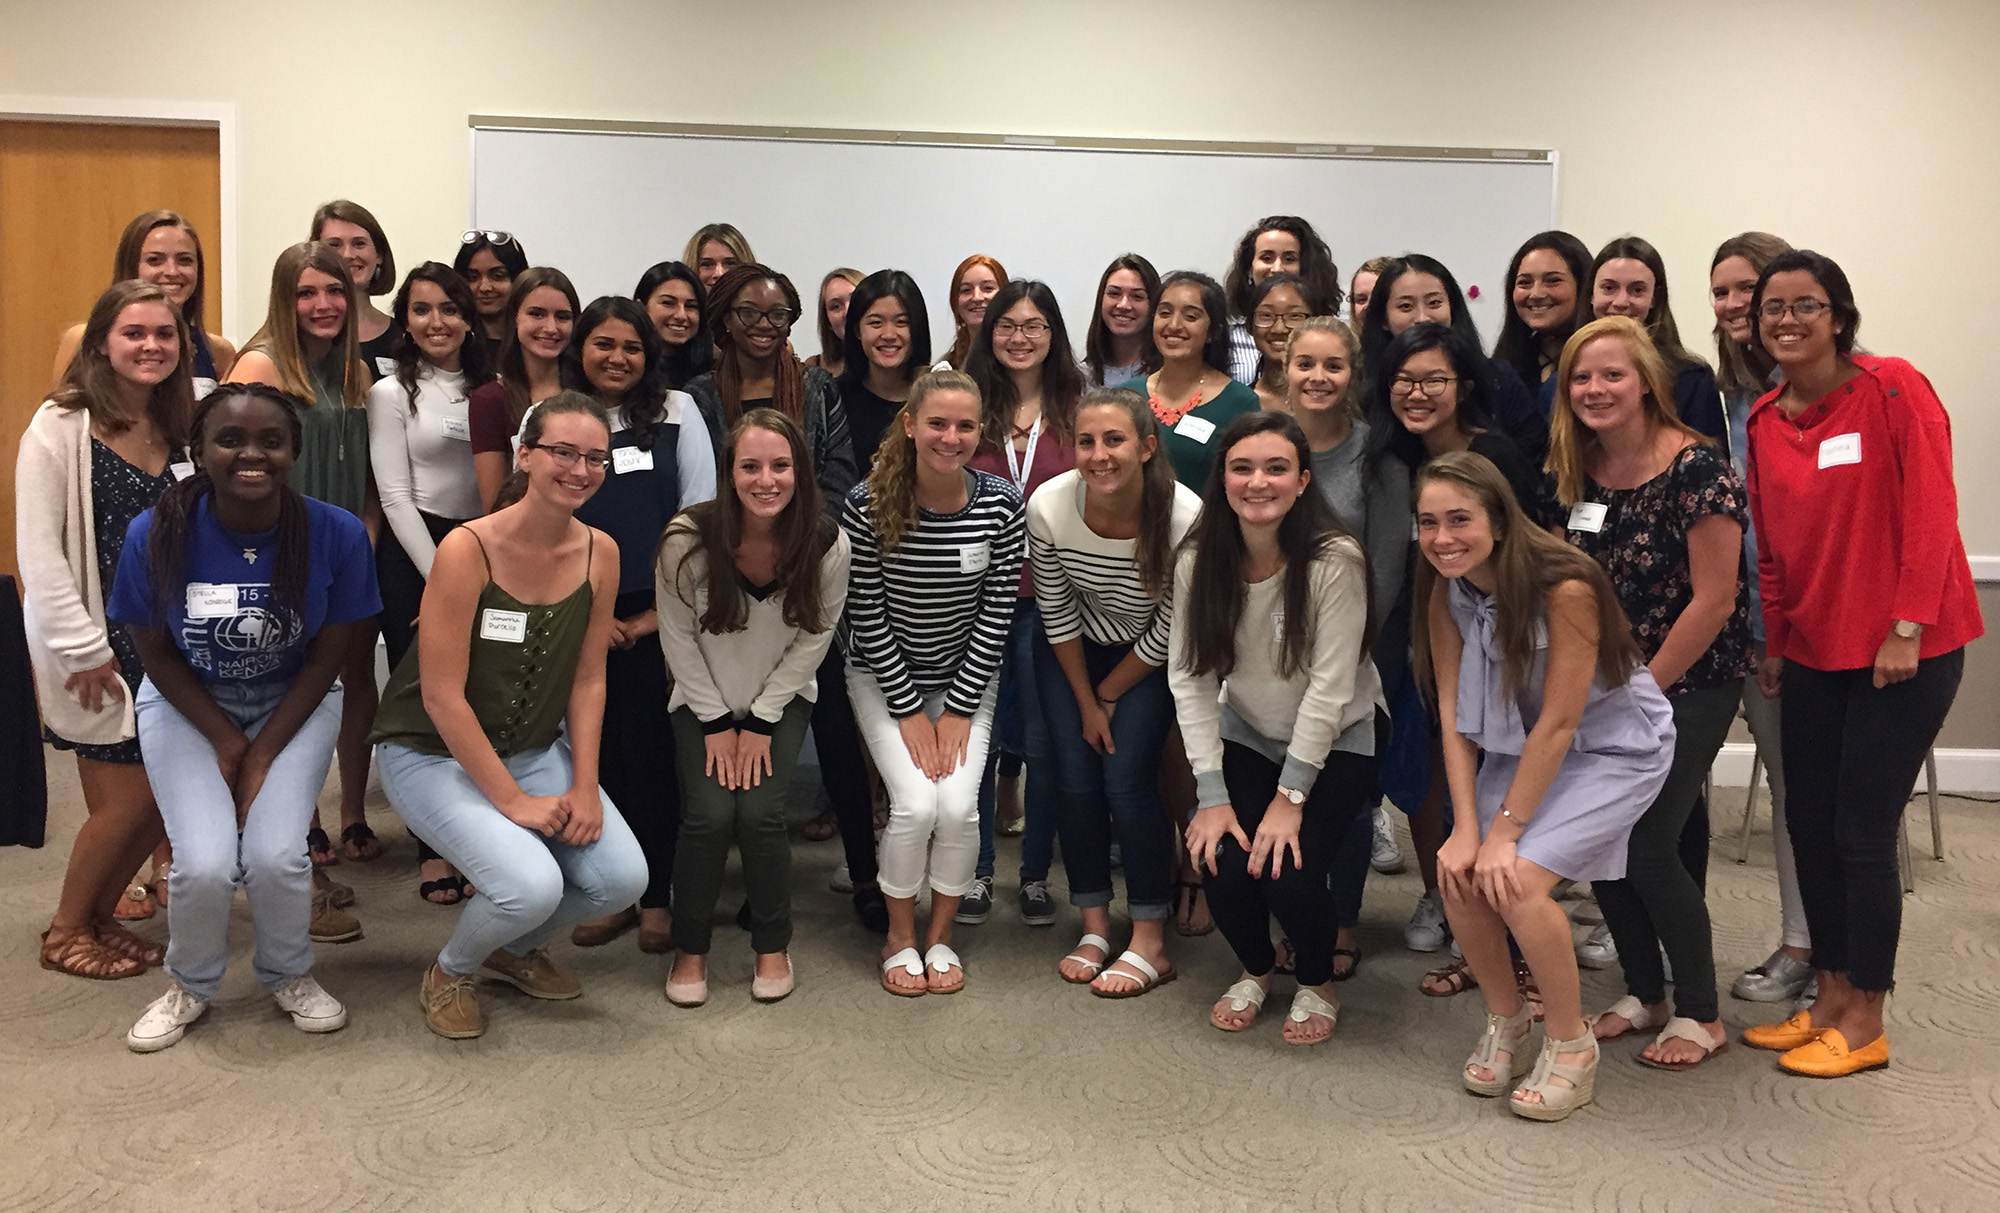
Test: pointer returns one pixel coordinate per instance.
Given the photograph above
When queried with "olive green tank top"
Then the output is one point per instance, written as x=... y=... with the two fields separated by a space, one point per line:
x=333 y=459
x=517 y=676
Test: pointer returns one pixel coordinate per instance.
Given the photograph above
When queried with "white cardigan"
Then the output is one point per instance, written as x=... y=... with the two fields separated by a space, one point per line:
x=56 y=547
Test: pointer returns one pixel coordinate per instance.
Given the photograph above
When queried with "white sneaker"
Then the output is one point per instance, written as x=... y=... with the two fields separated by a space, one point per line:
x=165 y=1021
x=311 y=1008
x=1597 y=951
x=841 y=882
x=1386 y=857
x=1426 y=932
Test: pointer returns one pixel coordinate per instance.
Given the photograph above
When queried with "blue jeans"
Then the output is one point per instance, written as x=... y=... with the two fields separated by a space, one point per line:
x=1018 y=727
x=267 y=858
x=530 y=887
x=1094 y=790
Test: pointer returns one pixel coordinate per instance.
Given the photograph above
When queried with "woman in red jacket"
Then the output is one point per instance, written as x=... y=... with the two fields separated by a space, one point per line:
x=1868 y=605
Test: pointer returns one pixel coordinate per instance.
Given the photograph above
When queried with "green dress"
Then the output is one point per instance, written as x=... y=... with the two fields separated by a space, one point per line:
x=517 y=677
x=1191 y=447
x=333 y=465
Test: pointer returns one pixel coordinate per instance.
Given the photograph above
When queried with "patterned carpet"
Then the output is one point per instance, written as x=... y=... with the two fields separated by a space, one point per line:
x=1020 y=1093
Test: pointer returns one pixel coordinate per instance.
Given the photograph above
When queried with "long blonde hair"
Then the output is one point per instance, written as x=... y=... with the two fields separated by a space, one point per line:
x=278 y=340
x=892 y=481
x=1571 y=443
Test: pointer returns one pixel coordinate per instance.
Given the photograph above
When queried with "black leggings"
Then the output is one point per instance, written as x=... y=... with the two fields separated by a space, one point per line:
x=402 y=585
x=1852 y=754
x=837 y=741
x=1243 y=905
x=635 y=763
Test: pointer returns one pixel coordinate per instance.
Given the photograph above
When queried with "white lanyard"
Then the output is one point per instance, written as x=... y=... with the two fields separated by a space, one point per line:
x=1019 y=466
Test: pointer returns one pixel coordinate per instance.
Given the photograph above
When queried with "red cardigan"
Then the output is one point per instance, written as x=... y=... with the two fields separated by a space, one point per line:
x=1857 y=520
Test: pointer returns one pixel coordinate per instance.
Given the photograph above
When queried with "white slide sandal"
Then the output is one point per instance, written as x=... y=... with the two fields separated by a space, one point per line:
x=1099 y=942
x=941 y=960
x=908 y=961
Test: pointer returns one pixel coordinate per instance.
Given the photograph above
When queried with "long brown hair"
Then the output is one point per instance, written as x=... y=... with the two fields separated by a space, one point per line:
x=1527 y=563
x=803 y=531
x=278 y=340
x=1572 y=443
x=1153 y=553
x=90 y=384
x=892 y=481
x=1660 y=324
x=132 y=245
x=1739 y=367
x=1309 y=531
x=788 y=375
x=512 y=366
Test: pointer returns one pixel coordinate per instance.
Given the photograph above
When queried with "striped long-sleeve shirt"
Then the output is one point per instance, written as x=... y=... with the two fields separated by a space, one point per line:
x=1087 y=585
x=934 y=614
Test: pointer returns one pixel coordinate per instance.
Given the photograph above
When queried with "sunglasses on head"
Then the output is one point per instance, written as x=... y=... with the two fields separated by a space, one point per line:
x=475 y=236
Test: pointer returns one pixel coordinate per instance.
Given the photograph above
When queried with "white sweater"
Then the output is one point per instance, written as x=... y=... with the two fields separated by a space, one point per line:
x=422 y=462
x=55 y=542
x=747 y=677
x=1297 y=720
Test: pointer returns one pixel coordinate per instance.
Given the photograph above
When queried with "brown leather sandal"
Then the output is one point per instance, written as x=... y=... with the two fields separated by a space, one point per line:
x=132 y=947
x=79 y=954
x=1447 y=980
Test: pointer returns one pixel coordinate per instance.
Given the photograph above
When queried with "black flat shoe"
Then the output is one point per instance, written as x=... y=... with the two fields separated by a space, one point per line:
x=872 y=910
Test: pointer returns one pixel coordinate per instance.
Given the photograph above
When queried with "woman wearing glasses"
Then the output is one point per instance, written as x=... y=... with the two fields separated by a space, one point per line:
x=751 y=313
x=489 y=262
x=490 y=751
x=1868 y=607
x=1278 y=306
x=661 y=462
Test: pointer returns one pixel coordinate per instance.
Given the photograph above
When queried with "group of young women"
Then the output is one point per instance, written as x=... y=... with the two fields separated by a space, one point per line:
x=635 y=549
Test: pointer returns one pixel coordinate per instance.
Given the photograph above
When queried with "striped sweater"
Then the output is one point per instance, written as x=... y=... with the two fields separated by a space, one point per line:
x=1087 y=585
x=934 y=614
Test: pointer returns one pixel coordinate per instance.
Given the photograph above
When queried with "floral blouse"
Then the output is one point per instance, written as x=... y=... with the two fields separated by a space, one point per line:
x=1641 y=540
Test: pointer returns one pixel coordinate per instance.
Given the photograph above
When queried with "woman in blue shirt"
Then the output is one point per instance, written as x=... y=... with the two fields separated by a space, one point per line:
x=243 y=598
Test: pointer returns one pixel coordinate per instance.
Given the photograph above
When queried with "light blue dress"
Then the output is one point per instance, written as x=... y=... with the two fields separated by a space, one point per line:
x=1615 y=767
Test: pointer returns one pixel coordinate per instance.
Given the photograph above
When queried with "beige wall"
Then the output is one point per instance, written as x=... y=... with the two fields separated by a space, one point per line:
x=1864 y=131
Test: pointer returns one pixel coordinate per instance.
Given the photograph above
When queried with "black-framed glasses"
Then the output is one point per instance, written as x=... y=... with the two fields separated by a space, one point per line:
x=476 y=235
x=1802 y=309
x=1033 y=330
x=780 y=318
x=1266 y=321
x=1429 y=385
x=567 y=455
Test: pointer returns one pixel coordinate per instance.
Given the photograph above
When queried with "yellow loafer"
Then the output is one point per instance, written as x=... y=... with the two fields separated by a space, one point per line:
x=1829 y=1056
x=1783 y=1037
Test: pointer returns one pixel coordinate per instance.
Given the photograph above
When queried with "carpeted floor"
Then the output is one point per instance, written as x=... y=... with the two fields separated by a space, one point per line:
x=1021 y=1093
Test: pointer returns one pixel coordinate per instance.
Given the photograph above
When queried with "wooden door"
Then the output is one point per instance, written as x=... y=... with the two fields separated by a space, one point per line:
x=67 y=190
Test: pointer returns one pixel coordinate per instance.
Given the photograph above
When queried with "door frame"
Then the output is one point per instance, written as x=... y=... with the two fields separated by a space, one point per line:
x=220 y=117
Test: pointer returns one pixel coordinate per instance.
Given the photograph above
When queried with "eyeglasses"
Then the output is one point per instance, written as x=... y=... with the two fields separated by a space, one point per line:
x=1264 y=321
x=1033 y=330
x=1429 y=385
x=567 y=455
x=779 y=318
x=476 y=235
x=1802 y=309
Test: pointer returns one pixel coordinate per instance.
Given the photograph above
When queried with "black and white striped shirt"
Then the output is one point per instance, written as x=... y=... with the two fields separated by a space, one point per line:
x=934 y=614
x=1087 y=585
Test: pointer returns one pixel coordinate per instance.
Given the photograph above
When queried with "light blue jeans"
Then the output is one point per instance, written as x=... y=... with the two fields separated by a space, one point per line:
x=530 y=887
x=212 y=858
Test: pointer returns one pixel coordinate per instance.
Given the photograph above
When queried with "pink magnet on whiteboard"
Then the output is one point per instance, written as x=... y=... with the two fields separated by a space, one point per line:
x=1472 y=292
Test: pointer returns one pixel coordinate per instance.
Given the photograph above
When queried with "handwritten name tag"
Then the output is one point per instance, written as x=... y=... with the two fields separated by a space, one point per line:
x=1200 y=429
x=508 y=627
x=206 y=600
x=385 y=367
x=974 y=557
x=182 y=470
x=626 y=459
x=456 y=427
x=1840 y=449
x=1587 y=516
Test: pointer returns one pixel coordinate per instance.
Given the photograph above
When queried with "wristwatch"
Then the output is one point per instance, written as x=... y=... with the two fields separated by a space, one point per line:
x=1905 y=630
x=1293 y=795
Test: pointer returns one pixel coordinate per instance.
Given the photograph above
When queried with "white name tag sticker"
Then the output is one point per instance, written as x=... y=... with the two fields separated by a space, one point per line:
x=385 y=367
x=181 y=470
x=206 y=600
x=1200 y=429
x=1840 y=449
x=509 y=627
x=456 y=427
x=1278 y=626
x=202 y=387
x=1588 y=516
x=974 y=557
x=626 y=459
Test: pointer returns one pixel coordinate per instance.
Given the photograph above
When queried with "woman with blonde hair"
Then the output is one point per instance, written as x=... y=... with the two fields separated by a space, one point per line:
x=937 y=560
x=96 y=456
x=973 y=284
x=714 y=250
x=1556 y=739
x=1658 y=506
x=308 y=348
x=835 y=290
x=163 y=248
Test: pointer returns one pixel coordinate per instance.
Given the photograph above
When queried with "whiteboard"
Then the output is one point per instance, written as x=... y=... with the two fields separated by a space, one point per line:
x=603 y=204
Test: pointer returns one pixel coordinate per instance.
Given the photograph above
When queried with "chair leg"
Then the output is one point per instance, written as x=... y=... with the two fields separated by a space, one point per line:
x=1750 y=806
x=1903 y=852
x=1937 y=828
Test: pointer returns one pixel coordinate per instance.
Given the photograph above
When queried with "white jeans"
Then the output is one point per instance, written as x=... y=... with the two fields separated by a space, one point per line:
x=932 y=822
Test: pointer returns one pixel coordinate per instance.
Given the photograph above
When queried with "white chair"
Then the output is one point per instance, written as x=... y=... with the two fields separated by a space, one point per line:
x=1903 y=846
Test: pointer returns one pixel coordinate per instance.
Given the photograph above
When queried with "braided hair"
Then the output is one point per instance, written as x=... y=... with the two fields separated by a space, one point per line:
x=788 y=390
x=176 y=507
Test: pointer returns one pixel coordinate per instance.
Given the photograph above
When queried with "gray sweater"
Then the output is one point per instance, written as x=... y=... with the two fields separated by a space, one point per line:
x=1376 y=508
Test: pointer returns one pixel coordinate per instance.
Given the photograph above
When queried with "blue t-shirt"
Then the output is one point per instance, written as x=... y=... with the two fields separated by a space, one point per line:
x=227 y=622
